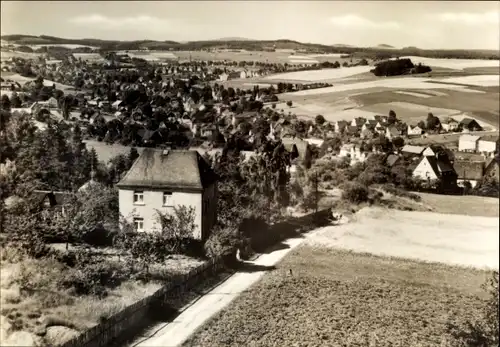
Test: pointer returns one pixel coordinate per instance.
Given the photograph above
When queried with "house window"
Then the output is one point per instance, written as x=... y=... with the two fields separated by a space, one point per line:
x=138 y=197
x=139 y=224
x=167 y=199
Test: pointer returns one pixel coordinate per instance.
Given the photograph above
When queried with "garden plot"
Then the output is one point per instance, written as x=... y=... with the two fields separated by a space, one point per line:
x=435 y=93
x=88 y=56
x=462 y=240
x=393 y=83
x=418 y=95
x=6 y=55
x=326 y=297
x=409 y=111
x=479 y=80
x=302 y=59
x=455 y=64
x=340 y=110
x=106 y=152
x=320 y=75
x=329 y=55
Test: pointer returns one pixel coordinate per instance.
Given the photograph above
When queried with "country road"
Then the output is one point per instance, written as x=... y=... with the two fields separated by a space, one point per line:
x=174 y=333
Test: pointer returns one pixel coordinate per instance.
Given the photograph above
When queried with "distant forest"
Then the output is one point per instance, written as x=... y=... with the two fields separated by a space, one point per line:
x=378 y=53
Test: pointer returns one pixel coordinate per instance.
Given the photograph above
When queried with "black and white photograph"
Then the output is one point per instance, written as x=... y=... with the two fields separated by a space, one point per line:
x=249 y=173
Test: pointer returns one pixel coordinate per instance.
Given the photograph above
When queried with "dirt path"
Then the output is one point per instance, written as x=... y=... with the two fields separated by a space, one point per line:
x=176 y=332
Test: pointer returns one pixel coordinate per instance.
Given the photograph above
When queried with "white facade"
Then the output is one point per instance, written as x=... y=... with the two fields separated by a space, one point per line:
x=451 y=126
x=153 y=201
x=414 y=130
x=467 y=143
x=486 y=146
x=424 y=170
x=460 y=183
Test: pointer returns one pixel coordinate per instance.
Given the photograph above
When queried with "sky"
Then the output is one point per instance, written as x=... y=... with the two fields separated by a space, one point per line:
x=424 y=24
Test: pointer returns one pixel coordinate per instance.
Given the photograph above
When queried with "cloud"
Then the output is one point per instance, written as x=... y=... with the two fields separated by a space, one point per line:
x=119 y=23
x=354 y=21
x=492 y=17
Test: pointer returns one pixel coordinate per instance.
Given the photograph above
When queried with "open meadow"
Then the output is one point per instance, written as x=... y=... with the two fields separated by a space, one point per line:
x=7 y=75
x=386 y=278
x=357 y=93
x=279 y=57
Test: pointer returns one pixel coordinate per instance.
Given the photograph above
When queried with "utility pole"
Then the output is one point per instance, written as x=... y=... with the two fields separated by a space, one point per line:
x=316 y=190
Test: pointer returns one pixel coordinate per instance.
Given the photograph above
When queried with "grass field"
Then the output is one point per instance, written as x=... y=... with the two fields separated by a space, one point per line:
x=462 y=205
x=339 y=298
x=106 y=152
x=259 y=56
x=427 y=236
x=23 y=80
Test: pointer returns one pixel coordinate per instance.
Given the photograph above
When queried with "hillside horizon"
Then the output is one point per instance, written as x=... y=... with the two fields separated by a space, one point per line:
x=24 y=39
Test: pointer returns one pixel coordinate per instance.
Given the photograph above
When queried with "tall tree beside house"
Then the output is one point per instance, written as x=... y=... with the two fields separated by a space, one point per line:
x=320 y=119
x=15 y=100
x=398 y=142
x=5 y=103
x=432 y=122
x=133 y=155
x=392 y=117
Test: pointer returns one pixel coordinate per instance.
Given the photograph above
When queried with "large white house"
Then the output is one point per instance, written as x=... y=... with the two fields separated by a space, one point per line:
x=160 y=180
x=472 y=143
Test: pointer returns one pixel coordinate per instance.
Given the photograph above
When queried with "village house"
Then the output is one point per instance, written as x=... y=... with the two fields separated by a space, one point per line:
x=392 y=132
x=468 y=171
x=468 y=143
x=414 y=130
x=410 y=151
x=487 y=144
x=469 y=124
x=491 y=169
x=160 y=180
x=450 y=125
x=46 y=200
x=340 y=125
x=299 y=150
x=436 y=168
x=381 y=119
x=392 y=159
x=358 y=122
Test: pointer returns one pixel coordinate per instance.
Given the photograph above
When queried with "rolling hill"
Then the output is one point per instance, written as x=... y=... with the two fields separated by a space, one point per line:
x=380 y=51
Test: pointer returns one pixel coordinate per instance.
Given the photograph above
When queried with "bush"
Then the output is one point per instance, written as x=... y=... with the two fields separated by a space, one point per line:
x=224 y=241
x=355 y=193
x=391 y=189
x=95 y=278
x=483 y=332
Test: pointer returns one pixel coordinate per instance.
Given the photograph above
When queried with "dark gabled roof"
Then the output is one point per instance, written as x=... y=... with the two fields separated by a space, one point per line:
x=359 y=121
x=301 y=145
x=467 y=121
x=393 y=130
x=55 y=198
x=147 y=135
x=439 y=165
x=169 y=169
x=352 y=129
x=469 y=170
